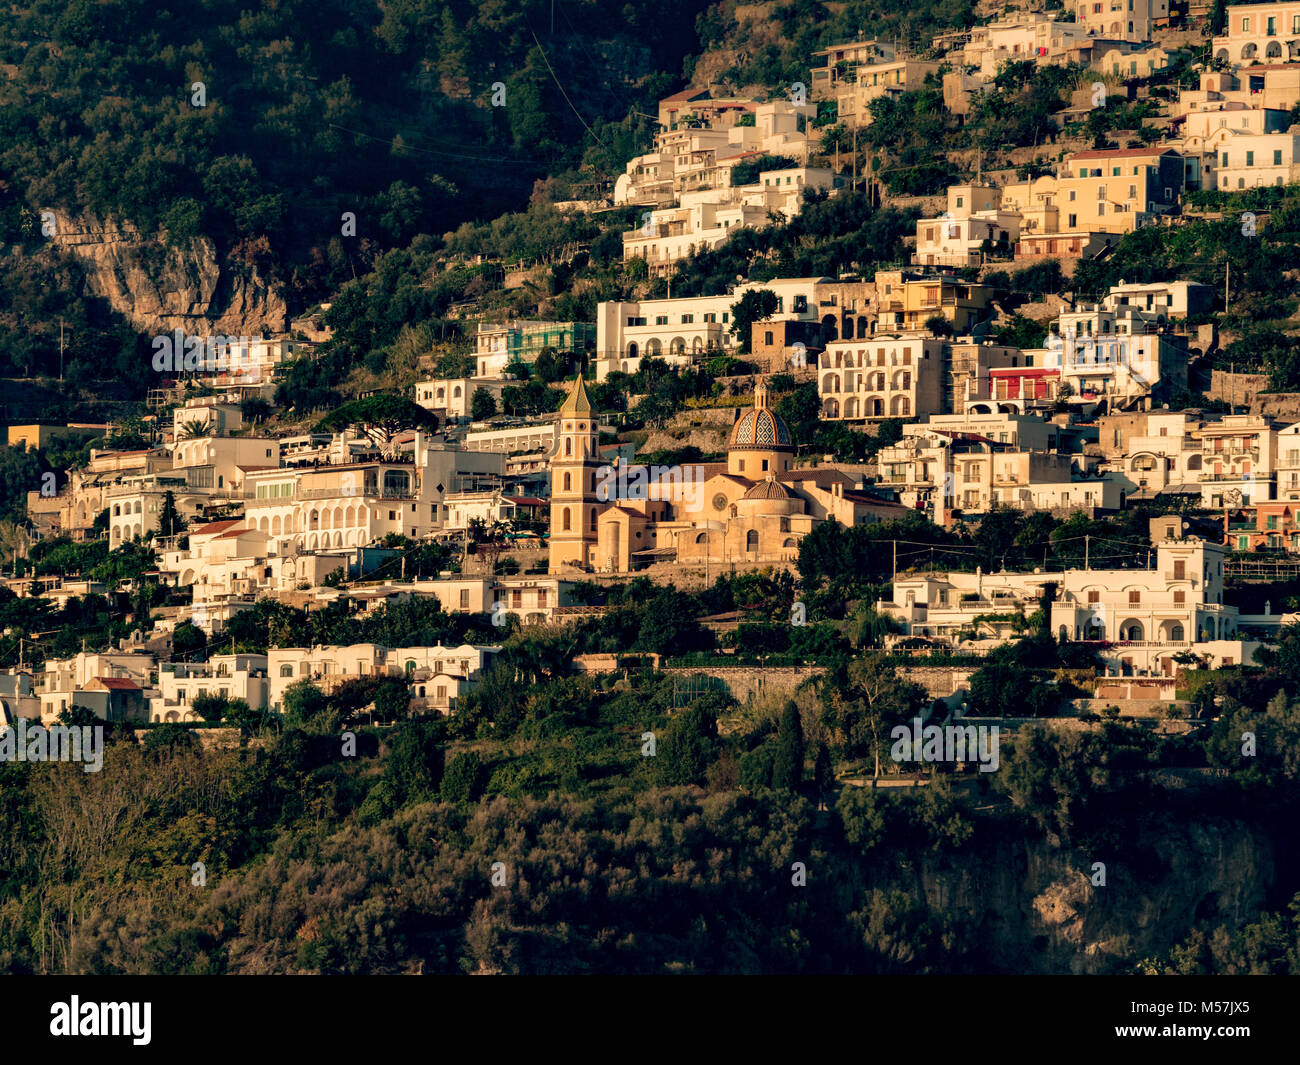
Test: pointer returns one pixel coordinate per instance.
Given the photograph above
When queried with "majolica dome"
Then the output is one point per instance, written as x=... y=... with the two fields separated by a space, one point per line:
x=760 y=428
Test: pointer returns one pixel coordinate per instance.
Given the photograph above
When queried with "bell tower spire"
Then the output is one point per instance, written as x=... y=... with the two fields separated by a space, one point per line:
x=574 y=464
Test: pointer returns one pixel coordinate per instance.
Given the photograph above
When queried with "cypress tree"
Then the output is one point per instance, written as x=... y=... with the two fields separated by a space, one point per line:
x=787 y=772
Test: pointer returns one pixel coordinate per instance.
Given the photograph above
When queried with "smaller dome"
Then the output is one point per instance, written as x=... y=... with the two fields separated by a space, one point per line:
x=768 y=489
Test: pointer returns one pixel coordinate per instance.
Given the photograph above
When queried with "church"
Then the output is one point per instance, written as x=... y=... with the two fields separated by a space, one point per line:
x=752 y=509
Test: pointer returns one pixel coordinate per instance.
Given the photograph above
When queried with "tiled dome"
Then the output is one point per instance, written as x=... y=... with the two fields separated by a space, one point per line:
x=760 y=428
x=770 y=488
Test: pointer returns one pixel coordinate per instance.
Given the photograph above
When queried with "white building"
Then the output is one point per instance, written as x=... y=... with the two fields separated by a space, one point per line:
x=209 y=415
x=1161 y=301
x=532 y=599
x=1118 y=356
x=516 y=439
x=234 y=676
x=454 y=398
x=965 y=240
x=1243 y=160
x=135 y=504
x=462 y=508
x=354 y=504
x=1019 y=36
x=689 y=159
x=900 y=376
x=683 y=330
x=1143 y=617
x=226 y=562
x=1165 y=452
x=951 y=472
x=1114 y=20
x=1260 y=32
x=218 y=465
x=1239 y=456
x=438 y=674
x=704 y=219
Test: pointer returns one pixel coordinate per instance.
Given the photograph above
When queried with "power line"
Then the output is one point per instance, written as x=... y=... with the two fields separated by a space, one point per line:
x=563 y=93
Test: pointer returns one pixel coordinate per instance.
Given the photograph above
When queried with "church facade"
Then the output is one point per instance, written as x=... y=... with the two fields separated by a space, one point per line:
x=753 y=508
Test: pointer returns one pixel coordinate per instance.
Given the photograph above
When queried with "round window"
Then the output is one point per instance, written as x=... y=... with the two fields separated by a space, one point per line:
x=719 y=502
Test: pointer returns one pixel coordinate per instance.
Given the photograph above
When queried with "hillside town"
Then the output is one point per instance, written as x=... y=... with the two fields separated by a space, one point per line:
x=965 y=366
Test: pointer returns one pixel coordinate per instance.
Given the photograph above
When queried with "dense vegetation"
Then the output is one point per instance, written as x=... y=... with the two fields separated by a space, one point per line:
x=709 y=855
x=305 y=111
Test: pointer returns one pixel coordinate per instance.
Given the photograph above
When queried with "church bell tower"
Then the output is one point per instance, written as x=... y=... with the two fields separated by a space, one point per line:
x=574 y=464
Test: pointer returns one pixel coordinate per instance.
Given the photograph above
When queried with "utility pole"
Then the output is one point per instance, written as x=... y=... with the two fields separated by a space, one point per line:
x=895 y=568
x=1227 y=270
x=60 y=351
x=1086 y=542
x=855 y=160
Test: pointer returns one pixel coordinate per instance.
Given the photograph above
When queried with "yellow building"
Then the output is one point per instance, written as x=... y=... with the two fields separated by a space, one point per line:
x=1102 y=191
x=754 y=508
x=906 y=300
x=39 y=437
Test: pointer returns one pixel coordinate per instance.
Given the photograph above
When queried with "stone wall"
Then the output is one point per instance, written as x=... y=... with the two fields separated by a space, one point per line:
x=1237 y=389
x=750 y=682
x=940 y=682
x=1284 y=406
x=706 y=428
x=1157 y=708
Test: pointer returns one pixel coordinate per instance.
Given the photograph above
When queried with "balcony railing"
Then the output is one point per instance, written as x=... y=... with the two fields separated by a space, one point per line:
x=357 y=494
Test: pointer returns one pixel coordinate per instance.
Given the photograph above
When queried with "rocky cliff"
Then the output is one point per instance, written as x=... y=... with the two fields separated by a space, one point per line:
x=1034 y=908
x=160 y=288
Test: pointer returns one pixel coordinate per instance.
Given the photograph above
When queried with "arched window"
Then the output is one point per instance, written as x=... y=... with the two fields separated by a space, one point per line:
x=751 y=540
x=410 y=665
x=568 y=446
x=286 y=670
x=568 y=482
x=567 y=521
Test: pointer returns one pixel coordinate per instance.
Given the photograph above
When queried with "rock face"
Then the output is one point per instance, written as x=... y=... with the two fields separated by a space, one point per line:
x=1033 y=907
x=160 y=288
